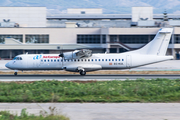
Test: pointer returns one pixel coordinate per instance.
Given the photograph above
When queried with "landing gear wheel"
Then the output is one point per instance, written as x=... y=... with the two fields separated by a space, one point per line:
x=15 y=73
x=82 y=72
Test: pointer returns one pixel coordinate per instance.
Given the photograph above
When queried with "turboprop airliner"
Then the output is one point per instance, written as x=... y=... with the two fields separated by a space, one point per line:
x=83 y=61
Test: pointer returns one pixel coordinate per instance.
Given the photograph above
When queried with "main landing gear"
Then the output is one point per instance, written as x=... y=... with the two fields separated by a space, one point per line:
x=82 y=72
x=15 y=73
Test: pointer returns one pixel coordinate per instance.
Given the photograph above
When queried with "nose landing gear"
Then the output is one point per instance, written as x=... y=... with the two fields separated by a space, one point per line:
x=15 y=72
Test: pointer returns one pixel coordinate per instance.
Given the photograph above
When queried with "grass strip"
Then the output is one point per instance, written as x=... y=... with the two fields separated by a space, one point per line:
x=6 y=115
x=140 y=90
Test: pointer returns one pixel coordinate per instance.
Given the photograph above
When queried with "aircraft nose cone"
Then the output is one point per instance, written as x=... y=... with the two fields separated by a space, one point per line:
x=7 y=65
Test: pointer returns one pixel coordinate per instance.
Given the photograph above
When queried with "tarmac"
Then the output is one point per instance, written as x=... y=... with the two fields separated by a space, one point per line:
x=102 y=111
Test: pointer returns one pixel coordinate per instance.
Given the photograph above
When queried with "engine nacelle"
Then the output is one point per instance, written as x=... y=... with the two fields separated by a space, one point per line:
x=77 y=54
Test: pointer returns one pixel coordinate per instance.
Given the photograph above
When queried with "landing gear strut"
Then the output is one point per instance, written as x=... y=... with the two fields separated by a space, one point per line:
x=15 y=73
x=82 y=72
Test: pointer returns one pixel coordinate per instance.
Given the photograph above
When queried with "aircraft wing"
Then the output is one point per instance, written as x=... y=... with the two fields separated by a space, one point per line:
x=83 y=67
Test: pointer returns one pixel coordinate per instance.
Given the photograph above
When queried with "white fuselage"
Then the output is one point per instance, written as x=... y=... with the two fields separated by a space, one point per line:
x=95 y=62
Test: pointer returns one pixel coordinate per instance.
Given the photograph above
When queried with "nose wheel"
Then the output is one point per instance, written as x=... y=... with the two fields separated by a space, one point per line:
x=82 y=73
x=15 y=73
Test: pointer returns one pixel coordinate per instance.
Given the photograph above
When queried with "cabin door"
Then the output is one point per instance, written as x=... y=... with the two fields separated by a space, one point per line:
x=128 y=61
x=37 y=60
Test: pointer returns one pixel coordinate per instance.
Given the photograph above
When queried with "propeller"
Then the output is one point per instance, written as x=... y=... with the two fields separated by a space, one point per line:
x=61 y=53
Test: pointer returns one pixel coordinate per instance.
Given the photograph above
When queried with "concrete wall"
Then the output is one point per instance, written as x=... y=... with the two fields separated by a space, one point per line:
x=142 y=12
x=24 y=16
x=86 y=10
x=129 y=31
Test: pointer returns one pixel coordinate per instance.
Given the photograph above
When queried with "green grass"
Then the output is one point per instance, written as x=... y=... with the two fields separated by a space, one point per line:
x=6 y=115
x=157 y=90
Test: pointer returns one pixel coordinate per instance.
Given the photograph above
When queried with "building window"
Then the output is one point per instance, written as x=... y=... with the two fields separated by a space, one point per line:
x=37 y=38
x=83 y=12
x=103 y=38
x=177 y=39
x=43 y=51
x=135 y=39
x=16 y=52
x=113 y=38
x=88 y=39
x=16 y=37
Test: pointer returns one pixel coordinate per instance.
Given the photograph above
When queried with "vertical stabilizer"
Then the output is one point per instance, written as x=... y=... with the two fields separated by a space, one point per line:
x=158 y=46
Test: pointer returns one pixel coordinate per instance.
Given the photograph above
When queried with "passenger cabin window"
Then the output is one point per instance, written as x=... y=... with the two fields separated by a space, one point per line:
x=102 y=59
x=122 y=59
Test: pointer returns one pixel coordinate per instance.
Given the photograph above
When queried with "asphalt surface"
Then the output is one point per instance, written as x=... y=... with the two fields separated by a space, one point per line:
x=79 y=77
x=102 y=111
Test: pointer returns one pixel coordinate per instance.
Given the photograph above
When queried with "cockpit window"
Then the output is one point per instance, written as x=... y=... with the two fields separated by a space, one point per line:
x=17 y=58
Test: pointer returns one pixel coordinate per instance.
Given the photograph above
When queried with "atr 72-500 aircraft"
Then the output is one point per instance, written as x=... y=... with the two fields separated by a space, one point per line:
x=83 y=61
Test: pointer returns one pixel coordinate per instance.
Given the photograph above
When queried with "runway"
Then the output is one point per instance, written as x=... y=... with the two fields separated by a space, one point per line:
x=102 y=111
x=79 y=77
